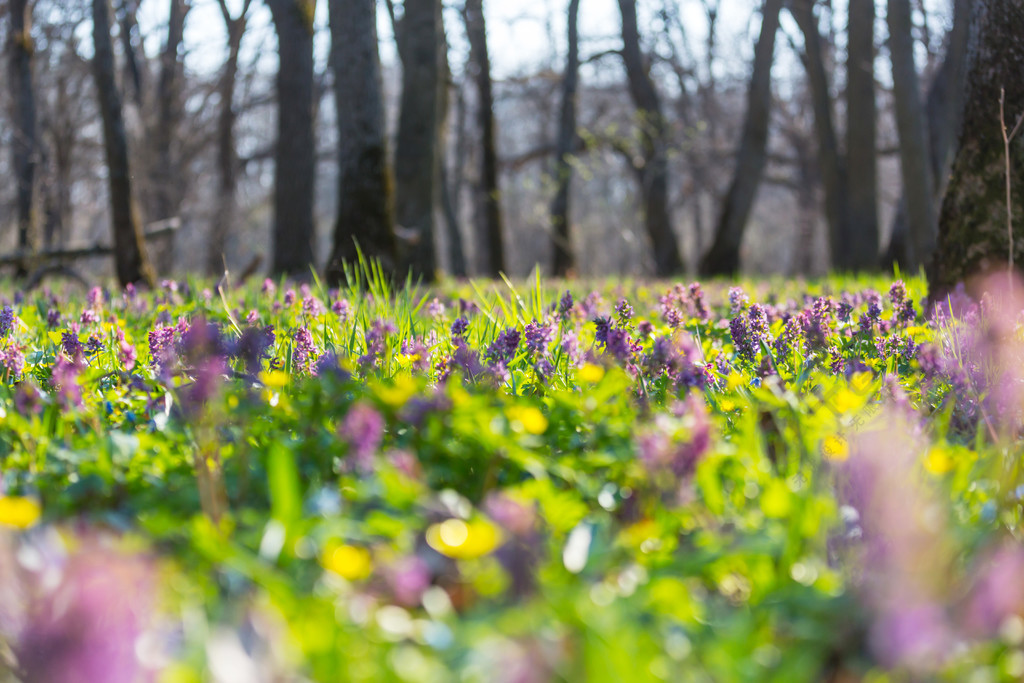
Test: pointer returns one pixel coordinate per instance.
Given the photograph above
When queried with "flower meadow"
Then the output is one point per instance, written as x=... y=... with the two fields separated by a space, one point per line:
x=512 y=482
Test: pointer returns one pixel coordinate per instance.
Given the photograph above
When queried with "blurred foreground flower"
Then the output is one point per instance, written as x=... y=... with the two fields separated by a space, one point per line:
x=464 y=540
x=79 y=614
x=19 y=512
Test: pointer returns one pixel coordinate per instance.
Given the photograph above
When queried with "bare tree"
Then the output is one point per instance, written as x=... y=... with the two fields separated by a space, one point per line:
x=227 y=154
x=295 y=154
x=830 y=162
x=944 y=108
x=130 y=258
x=25 y=143
x=973 y=225
x=418 y=152
x=561 y=240
x=654 y=171
x=365 y=214
x=912 y=125
x=751 y=156
x=480 y=67
x=861 y=136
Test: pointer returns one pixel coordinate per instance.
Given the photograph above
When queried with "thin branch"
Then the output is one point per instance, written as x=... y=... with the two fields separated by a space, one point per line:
x=1007 y=138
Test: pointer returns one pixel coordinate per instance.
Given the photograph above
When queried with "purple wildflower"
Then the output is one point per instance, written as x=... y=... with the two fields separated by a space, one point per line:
x=342 y=308
x=460 y=327
x=161 y=346
x=697 y=304
x=65 y=379
x=738 y=300
x=363 y=430
x=623 y=312
x=311 y=306
x=758 y=322
x=93 y=345
x=435 y=309
x=95 y=298
x=304 y=352
x=53 y=318
x=71 y=345
x=619 y=343
x=503 y=349
x=788 y=340
x=817 y=322
x=603 y=326
x=544 y=368
x=538 y=338
x=126 y=353
x=874 y=305
x=13 y=361
x=742 y=338
x=376 y=341
x=6 y=321
x=565 y=306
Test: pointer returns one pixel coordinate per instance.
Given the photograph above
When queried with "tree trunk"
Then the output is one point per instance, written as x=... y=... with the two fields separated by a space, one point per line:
x=452 y=190
x=130 y=257
x=365 y=215
x=480 y=66
x=724 y=255
x=654 y=173
x=973 y=235
x=564 y=262
x=167 y=177
x=417 y=152
x=227 y=155
x=945 y=108
x=295 y=155
x=24 y=143
x=830 y=162
x=912 y=125
x=861 y=136
x=131 y=44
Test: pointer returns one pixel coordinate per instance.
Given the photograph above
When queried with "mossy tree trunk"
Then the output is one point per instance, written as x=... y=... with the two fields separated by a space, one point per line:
x=973 y=236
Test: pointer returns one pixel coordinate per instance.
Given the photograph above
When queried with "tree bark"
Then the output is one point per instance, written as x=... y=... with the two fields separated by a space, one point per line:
x=131 y=44
x=862 y=136
x=564 y=258
x=654 y=172
x=912 y=126
x=131 y=261
x=724 y=256
x=945 y=108
x=295 y=156
x=451 y=187
x=417 y=152
x=973 y=223
x=831 y=164
x=24 y=143
x=227 y=154
x=365 y=214
x=480 y=66
x=167 y=177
